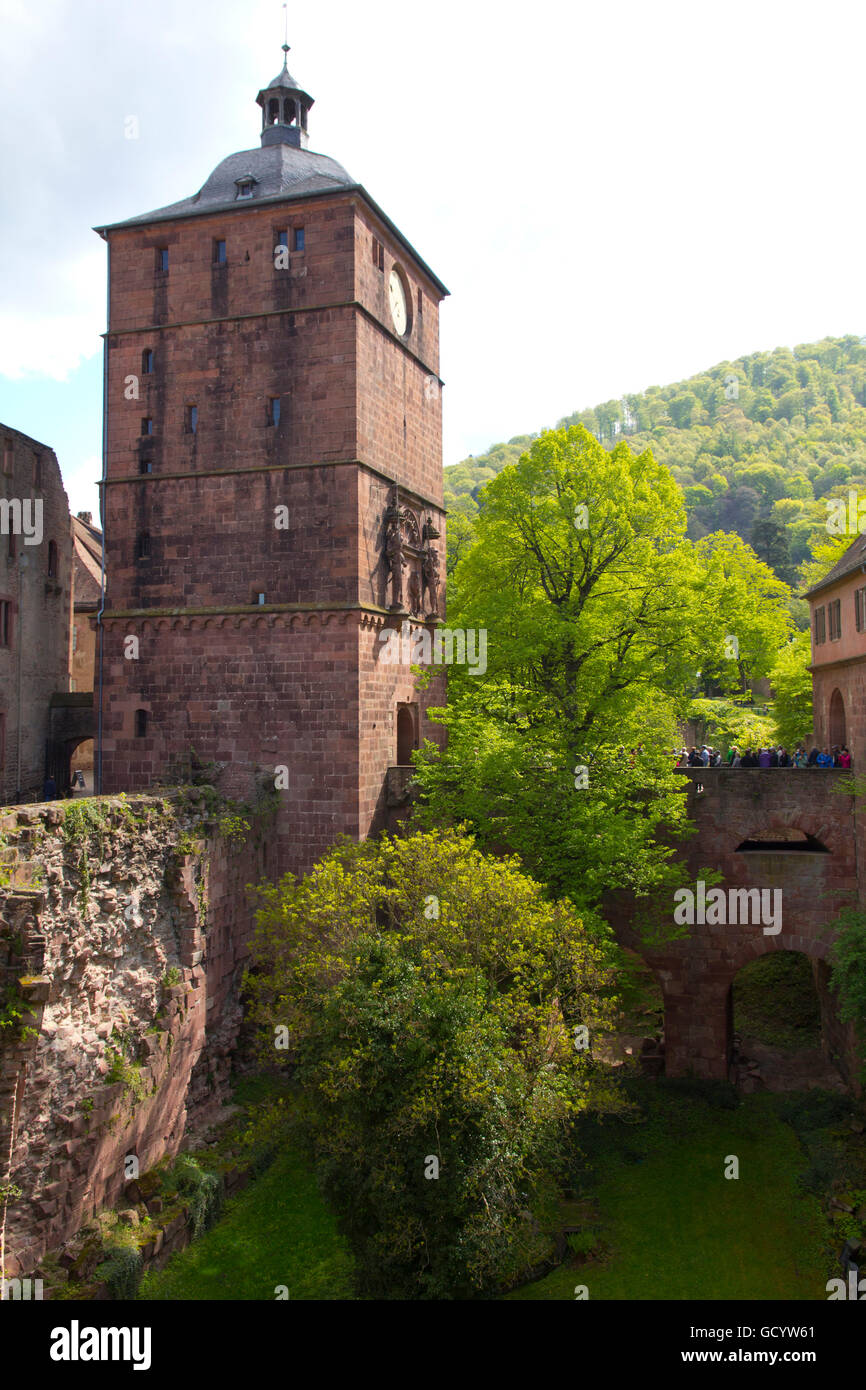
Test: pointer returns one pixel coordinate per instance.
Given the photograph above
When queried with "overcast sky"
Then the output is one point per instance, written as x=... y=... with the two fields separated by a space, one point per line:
x=617 y=194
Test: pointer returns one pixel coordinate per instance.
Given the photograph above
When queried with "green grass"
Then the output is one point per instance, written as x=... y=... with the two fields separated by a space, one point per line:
x=277 y=1231
x=674 y=1227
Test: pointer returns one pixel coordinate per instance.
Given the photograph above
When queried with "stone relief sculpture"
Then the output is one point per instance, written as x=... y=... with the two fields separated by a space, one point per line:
x=407 y=547
x=431 y=581
x=396 y=564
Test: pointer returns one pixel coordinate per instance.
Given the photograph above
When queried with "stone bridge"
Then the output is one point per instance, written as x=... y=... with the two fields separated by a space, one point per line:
x=760 y=828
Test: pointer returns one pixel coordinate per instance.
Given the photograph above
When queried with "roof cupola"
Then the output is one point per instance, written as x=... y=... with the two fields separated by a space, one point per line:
x=285 y=106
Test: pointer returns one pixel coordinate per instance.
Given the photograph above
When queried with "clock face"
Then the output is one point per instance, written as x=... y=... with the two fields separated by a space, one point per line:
x=397 y=301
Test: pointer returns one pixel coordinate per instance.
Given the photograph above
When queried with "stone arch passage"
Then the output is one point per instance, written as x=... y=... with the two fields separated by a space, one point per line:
x=406 y=740
x=80 y=755
x=837 y=719
x=764 y=832
x=776 y=1022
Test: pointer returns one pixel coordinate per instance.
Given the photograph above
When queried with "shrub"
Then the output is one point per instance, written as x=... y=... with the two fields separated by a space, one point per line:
x=201 y=1192
x=435 y=1048
x=122 y=1271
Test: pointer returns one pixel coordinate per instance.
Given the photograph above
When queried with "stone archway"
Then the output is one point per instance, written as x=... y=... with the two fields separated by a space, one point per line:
x=407 y=740
x=763 y=831
x=776 y=1019
x=80 y=760
x=836 y=720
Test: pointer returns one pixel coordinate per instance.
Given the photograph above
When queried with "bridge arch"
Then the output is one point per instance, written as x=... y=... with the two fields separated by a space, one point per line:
x=765 y=808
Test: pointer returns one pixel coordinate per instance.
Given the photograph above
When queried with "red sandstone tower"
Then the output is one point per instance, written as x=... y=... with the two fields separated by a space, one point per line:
x=272 y=493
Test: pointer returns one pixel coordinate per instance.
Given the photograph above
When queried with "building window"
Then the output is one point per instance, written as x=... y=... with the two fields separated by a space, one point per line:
x=75 y=637
x=820 y=627
x=191 y=419
x=860 y=609
x=52 y=560
x=11 y=545
x=288 y=111
x=162 y=258
x=5 y=622
x=259 y=599
x=273 y=111
x=273 y=410
x=282 y=237
x=219 y=252
x=378 y=254
x=245 y=188
x=141 y=723
x=834 y=614
x=298 y=235
x=145 y=466
x=7 y=459
x=146 y=424
x=147 y=362
x=142 y=545
x=420 y=304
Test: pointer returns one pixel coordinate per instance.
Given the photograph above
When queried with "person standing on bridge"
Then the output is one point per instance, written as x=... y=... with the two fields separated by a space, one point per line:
x=764 y=758
x=824 y=759
x=844 y=757
x=784 y=758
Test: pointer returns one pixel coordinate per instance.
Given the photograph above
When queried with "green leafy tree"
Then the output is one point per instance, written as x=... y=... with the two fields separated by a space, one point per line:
x=598 y=614
x=432 y=996
x=848 y=973
x=749 y=602
x=769 y=540
x=791 y=682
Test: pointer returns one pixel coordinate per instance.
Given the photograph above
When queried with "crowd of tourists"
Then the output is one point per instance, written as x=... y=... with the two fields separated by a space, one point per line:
x=764 y=757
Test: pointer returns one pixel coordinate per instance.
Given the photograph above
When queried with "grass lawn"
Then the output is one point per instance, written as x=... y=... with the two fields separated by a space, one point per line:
x=277 y=1231
x=673 y=1227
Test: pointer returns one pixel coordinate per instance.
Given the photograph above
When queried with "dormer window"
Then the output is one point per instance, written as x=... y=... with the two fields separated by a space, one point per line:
x=245 y=186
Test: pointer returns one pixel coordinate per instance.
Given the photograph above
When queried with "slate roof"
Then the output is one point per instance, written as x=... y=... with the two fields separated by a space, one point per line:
x=87 y=541
x=282 y=171
x=283 y=79
x=853 y=559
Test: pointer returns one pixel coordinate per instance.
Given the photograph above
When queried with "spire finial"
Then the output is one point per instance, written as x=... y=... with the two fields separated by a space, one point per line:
x=286 y=37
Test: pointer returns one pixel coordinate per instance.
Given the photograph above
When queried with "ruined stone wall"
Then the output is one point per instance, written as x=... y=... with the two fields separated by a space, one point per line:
x=124 y=930
x=36 y=589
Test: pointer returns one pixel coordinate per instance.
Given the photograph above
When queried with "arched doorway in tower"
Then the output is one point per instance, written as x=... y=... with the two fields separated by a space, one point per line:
x=775 y=1029
x=407 y=737
x=81 y=767
x=836 y=722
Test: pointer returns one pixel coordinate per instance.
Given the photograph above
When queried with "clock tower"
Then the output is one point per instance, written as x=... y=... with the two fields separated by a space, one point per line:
x=272 y=489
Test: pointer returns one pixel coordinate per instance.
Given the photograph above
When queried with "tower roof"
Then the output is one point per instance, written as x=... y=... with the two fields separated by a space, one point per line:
x=283 y=79
x=280 y=172
x=282 y=169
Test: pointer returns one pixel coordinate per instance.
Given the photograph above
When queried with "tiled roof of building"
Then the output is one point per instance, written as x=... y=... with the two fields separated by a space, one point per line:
x=853 y=559
x=87 y=541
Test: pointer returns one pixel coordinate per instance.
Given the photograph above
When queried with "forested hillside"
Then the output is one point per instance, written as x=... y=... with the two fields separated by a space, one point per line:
x=756 y=445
